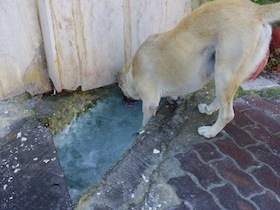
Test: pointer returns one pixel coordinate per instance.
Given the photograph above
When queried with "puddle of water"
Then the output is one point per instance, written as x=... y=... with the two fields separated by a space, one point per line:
x=96 y=140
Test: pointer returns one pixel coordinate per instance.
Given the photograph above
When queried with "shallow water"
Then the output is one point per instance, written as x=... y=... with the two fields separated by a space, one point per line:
x=96 y=140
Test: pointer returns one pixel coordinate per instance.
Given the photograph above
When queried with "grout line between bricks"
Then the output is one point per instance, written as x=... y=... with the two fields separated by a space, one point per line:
x=215 y=199
x=215 y=169
x=227 y=181
x=248 y=198
x=275 y=194
x=261 y=162
x=239 y=168
x=258 y=123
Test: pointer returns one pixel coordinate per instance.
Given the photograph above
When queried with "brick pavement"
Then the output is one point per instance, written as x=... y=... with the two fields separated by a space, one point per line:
x=240 y=168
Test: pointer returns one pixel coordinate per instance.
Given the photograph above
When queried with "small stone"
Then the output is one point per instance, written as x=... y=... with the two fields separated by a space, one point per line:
x=145 y=178
x=18 y=135
x=23 y=139
x=16 y=166
x=5 y=186
x=156 y=151
x=141 y=132
x=46 y=160
x=16 y=170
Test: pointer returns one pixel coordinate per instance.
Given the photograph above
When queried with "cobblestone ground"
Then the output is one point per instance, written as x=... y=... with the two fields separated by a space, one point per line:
x=240 y=168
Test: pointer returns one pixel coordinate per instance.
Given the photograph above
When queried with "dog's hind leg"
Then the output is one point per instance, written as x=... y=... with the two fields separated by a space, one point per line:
x=225 y=91
x=235 y=61
x=226 y=83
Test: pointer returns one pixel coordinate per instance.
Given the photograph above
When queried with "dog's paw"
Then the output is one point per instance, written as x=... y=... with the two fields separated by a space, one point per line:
x=206 y=131
x=172 y=99
x=203 y=108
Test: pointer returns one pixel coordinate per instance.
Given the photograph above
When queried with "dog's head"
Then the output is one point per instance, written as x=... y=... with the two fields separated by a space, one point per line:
x=126 y=83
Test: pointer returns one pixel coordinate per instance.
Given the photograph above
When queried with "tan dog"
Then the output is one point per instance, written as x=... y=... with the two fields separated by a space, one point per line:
x=224 y=39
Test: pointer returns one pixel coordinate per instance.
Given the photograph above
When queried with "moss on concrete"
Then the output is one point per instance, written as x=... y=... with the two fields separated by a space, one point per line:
x=60 y=109
x=54 y=111
x=266 y=93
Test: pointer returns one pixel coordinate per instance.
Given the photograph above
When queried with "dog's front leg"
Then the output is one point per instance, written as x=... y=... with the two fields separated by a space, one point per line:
x=226 y=114
x=150 y=97
x=214 y=106
x=149 y=110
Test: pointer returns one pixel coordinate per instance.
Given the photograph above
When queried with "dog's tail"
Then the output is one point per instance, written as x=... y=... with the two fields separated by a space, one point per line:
x=270 y=12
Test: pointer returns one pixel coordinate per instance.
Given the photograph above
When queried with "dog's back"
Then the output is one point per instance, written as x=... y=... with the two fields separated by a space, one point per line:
x=216 y=16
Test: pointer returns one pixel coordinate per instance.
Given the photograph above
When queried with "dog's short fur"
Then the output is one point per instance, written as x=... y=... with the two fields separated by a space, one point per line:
x=224 y=39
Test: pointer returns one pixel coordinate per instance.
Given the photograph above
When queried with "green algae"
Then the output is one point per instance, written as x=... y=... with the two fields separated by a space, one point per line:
x=267 y=94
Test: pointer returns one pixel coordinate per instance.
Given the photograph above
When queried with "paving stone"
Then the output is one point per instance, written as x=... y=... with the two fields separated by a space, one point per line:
x=241 y=137
x=181 y=207
x=264 y=155
x=275 y=102
x=276 y=117
x=260 y=133
x=241 y=120
x=241 y=105
x=241 y=156
x=230 y=199
x=203 y=172
x=268 y=178
x=275 y=146
x=267 y=201
x=207 y=151
x=245 y=183
x=272 y=125
x=188 y=191
x=258 y=102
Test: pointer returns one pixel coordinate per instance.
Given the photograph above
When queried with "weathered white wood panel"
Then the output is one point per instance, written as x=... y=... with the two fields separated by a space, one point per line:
x=88 y=41
x=146 y=17
x=22 y=65
x=101 y=41
x=85 y=40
